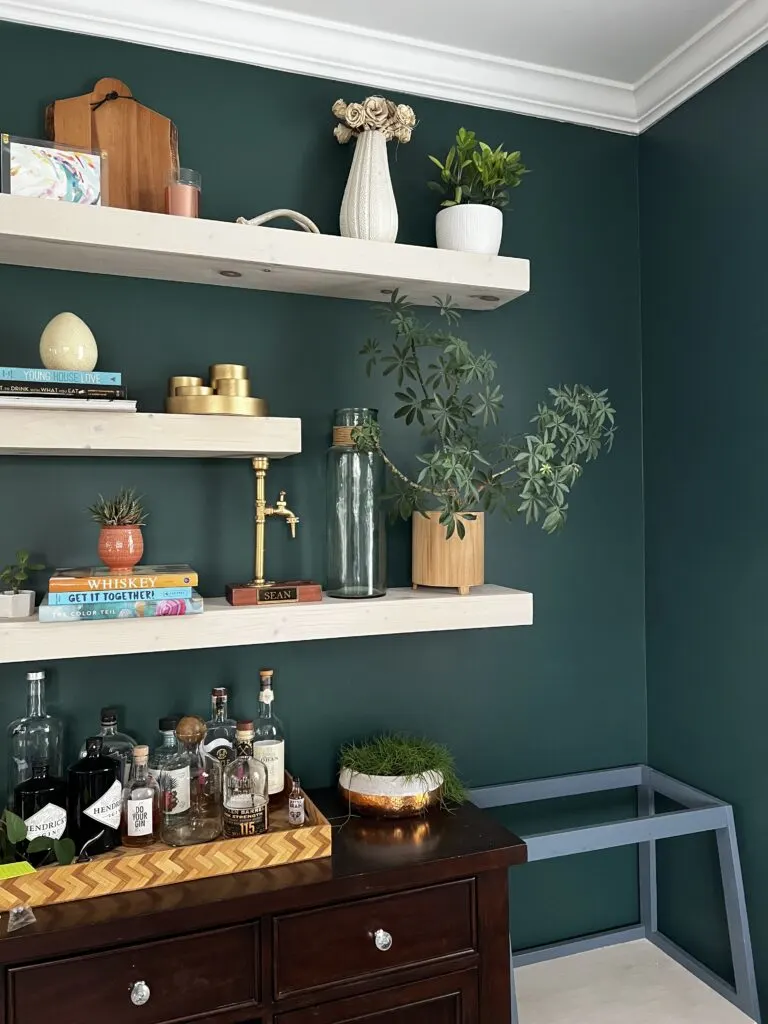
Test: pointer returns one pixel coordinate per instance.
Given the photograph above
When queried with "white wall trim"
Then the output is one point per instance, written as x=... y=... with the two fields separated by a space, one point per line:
x=239 y=31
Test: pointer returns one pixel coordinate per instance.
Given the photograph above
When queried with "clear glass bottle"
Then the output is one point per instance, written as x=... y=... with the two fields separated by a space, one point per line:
x=94 y=800
x=203 y=822
x=171 y=764
x=140 y=824
x=37 y=736
x=41 y=802
x=356 y=548
x=219 y=739
x=296 y=810
x=246 y=796
x=115 y=744
x=269 y=738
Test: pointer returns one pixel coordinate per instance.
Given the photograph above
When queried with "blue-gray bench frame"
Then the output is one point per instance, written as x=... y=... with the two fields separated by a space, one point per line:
x=701 y=813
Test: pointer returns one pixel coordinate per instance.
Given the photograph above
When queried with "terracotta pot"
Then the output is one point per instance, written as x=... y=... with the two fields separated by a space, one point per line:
x=121 y=547
x=448 y=562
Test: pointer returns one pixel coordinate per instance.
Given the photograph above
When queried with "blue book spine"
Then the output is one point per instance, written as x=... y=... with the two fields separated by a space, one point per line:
x=43 y=376
x=119 y=610
x=108 y=597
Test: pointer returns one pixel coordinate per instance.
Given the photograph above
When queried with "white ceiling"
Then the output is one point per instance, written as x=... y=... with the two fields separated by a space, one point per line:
x=614 y=64
x=617 y=39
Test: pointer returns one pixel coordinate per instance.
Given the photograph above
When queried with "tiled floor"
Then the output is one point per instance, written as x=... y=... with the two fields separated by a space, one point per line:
x=633 y=983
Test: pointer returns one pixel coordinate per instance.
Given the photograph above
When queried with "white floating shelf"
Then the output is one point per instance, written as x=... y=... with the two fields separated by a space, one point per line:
x=220 y=625
x=127 y=243
x=62 y=432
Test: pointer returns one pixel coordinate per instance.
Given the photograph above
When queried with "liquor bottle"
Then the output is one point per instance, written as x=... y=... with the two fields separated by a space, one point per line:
x=171 y=765
x=203 y=822
x=115 y=744
x=269 y=738
x=140 y=825
x=246 y=796
x=41 y=801
x=296 y=812
x=219 y=739
x=94 y=800
x=36 y=737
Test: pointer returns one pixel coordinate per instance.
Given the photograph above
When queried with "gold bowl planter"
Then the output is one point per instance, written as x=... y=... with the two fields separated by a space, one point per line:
x=390 y=796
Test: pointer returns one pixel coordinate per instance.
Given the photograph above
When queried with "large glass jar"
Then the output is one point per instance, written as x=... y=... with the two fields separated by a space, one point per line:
x=356 y=521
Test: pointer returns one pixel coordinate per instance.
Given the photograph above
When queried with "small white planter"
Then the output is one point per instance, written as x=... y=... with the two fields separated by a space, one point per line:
x=470 y=227
x=17 y=606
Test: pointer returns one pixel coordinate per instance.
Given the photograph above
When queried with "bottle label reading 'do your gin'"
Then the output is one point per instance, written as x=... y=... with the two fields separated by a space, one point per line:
x=49 y=822
x=174 y=788
x=106 y=810
x=272 y=756
x=139 y=817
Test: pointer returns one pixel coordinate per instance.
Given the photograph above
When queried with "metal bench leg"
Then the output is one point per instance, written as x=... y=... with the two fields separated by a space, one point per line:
x=512 y=992
x=646 y=859
x=738 y=924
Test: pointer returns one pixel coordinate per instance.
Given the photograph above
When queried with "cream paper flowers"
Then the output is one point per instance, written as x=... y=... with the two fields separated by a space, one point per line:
x=395 y=120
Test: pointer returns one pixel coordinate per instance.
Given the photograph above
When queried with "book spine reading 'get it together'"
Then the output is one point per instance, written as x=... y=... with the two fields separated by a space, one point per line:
x=102 y=597
x=97 y=378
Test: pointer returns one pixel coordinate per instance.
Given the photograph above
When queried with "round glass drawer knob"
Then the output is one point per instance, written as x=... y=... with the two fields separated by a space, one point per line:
x=382 y=939
x=140 y=993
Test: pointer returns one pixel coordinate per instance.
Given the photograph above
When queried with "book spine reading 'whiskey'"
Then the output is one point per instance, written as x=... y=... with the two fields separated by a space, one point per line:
x=119 y=610
x=74 y=584
x=102 y=597
x=37 y=389
x=96 y=378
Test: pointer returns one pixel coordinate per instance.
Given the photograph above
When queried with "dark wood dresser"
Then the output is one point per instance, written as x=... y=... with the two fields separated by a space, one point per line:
x=406 y=923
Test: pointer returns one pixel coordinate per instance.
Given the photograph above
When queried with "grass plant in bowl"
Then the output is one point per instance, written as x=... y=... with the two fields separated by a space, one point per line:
x=397 y=776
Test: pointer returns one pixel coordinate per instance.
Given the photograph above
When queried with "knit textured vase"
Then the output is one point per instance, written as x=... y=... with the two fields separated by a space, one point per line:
x=368 y=209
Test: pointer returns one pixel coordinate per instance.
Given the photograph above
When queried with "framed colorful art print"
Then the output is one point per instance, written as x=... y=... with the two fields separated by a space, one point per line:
x=48 y=170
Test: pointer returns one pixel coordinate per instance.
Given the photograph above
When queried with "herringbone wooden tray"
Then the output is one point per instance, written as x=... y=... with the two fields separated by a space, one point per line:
x=127 y=870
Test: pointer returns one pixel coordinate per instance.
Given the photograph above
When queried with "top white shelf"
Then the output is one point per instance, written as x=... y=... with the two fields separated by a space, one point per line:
x=128 y=243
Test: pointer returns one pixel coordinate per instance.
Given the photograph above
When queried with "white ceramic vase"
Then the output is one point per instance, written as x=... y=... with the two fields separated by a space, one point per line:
x=368 y=209
x=17 y=606
x=470 y=227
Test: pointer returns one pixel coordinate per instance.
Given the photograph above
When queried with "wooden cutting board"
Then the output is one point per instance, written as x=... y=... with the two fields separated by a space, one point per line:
x=141 y=145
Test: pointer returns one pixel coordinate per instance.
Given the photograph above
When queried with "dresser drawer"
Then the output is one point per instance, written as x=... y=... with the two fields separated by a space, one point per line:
x=147 y=984
x=370 y=937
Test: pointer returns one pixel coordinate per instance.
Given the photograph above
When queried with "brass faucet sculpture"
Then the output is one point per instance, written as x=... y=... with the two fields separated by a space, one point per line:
x=263 y=511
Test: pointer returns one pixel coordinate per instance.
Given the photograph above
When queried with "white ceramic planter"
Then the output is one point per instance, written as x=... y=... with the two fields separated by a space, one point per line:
x=368 y=209
x=470 y=228
x=17 y=606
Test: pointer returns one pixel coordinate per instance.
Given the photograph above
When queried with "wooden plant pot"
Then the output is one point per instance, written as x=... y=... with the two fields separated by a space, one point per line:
x=121 y=547
x=438 y=561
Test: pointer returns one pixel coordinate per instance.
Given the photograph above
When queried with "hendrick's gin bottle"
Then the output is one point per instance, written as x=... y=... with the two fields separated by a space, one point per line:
x=41 y=802
x=94 y=799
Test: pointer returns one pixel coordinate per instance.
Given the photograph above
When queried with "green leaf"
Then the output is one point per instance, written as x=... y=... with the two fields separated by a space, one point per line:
x=64 y=850
x=15 y=827
x=40 y=843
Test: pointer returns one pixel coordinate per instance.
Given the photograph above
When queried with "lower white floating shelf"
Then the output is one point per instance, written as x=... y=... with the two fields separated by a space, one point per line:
x=220 y=625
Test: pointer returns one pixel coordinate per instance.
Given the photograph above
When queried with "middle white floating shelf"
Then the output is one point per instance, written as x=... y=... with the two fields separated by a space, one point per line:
x=220 y=625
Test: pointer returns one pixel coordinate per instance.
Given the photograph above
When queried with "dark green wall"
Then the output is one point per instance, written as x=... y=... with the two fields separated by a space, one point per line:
x=705 y=316
x=565 y=695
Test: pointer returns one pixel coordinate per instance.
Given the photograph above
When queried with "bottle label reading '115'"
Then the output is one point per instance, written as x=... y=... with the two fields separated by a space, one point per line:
x=106 y=810
x=139 y=817
x=247 y=820
x=272 y=756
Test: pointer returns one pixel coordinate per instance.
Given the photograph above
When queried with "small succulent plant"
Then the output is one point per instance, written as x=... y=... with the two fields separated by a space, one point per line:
x=125 y=509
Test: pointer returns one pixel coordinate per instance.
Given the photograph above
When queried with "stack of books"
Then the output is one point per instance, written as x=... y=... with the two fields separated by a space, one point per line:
x=99 y=593
x=30 y=388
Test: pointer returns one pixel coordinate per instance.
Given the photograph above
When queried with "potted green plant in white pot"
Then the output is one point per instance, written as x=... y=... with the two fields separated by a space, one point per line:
x=475 y=181
x=15 y=602
x=448 y=392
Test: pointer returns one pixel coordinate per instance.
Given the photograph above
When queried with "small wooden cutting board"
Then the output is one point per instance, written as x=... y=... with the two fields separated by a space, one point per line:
x=141 y=145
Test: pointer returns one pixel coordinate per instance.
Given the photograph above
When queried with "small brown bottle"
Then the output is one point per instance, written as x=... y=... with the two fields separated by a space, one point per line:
x=140 y=822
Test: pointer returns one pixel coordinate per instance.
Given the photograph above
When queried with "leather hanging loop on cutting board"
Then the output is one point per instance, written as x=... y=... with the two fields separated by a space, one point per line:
x=142 y=146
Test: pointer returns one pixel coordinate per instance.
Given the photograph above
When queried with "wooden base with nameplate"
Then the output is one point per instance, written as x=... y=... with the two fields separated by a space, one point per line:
x=285 y=592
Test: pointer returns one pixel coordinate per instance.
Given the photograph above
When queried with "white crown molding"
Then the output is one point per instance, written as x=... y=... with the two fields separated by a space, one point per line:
x=241 y=31
x=723 y=43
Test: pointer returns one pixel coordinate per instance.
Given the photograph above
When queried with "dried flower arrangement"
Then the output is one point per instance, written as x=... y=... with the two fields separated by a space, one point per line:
x=375 y=114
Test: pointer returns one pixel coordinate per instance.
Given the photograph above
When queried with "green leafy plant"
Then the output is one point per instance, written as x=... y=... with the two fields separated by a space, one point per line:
x=475 y=173
x=409 y=756
x=15 y=575
x=14 y=846
x=125 y=509
x=449 y=392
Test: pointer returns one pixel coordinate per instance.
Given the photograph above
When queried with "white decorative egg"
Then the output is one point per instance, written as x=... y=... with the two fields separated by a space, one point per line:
x=67 y=343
